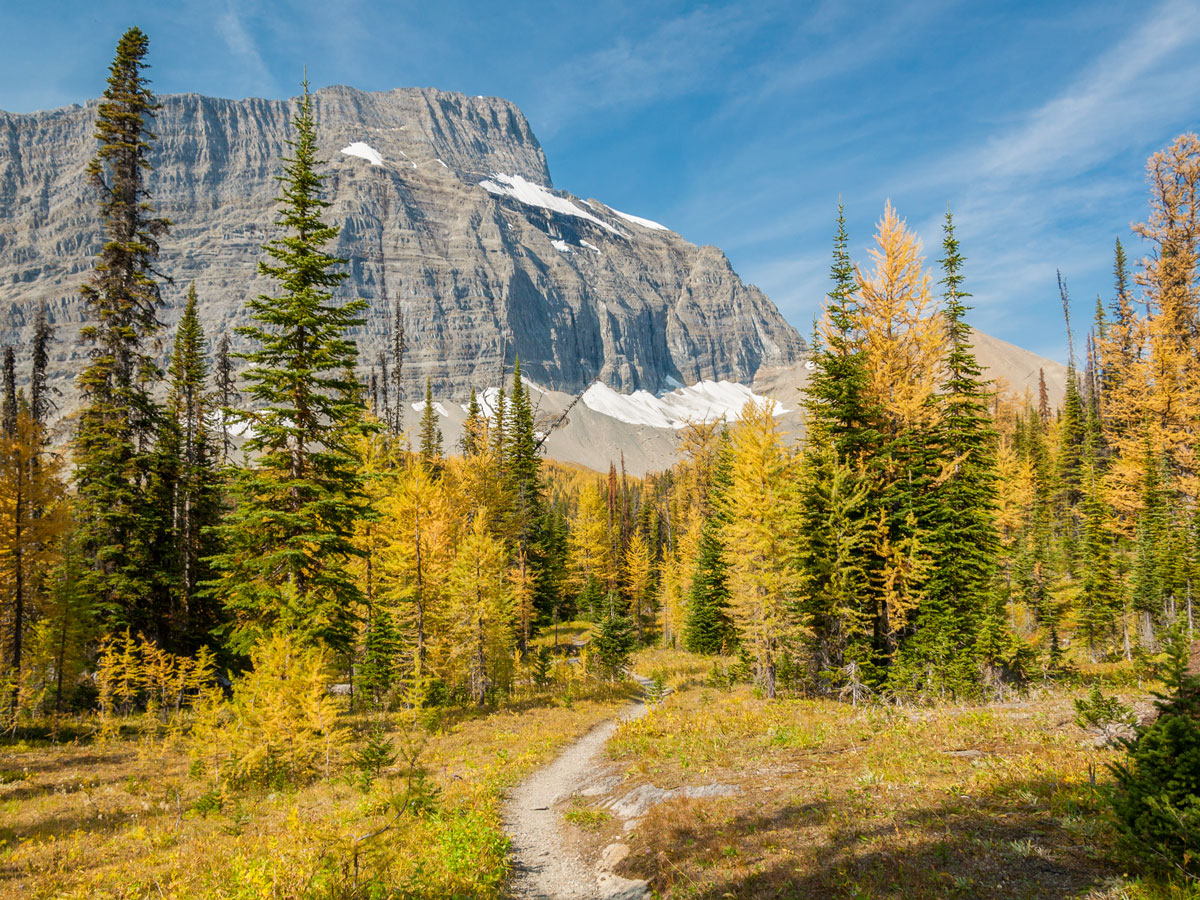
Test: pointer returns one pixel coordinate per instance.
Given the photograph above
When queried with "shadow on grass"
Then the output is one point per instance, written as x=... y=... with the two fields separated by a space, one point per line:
x=834 y=848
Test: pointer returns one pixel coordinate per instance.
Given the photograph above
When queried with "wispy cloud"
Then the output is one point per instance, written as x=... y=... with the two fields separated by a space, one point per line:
x=678 y=56
x=1139 y=81
x=255 y=75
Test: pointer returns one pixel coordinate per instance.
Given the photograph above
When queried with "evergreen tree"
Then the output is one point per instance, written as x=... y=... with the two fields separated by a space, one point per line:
x=116 y=426
x=613 y=641
x=474 y=430
x=399 y=346
x=523 y=463
x=8 y=403
x=298 y=502
x=832 y=557
x=187 y=451
x=431 y=435
x=837 y=396
x=41 y=402
x=382 y=650
x=708 y=627
x=226 y=394
x=960 y=508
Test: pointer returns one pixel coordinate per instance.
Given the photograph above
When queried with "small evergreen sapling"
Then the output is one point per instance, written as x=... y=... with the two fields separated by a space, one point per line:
x=1157 y=801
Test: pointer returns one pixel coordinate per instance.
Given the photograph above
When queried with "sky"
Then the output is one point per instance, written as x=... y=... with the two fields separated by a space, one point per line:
x=741 y=124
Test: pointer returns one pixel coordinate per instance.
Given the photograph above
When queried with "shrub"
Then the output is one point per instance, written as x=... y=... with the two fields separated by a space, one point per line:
x=1097 y=711
x=279 y=728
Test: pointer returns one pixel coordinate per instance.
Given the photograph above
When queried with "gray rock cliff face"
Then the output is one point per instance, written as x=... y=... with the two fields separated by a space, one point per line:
x=482 y=273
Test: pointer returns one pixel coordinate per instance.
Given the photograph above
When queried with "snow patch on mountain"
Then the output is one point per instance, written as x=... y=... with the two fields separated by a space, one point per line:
x=364 y=151
x=561 y=246
x=419 y=406
x=535 y=195
x=638 y=220
x=708 y=401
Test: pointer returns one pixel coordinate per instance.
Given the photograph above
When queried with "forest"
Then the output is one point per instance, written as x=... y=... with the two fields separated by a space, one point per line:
x=243 y=570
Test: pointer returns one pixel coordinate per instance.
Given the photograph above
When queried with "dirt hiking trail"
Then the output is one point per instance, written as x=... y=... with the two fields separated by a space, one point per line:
x=543 y=867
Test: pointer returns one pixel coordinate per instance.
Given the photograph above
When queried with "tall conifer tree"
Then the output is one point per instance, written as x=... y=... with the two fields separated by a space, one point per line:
x=960 y=509
x=431 y=435
x=286 y=543
x=194 y=487
x=118 y=529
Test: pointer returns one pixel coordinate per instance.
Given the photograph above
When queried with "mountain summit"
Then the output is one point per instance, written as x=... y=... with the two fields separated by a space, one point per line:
x=446 y=207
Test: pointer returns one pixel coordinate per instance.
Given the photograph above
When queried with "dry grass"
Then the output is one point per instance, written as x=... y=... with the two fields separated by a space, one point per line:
x=880 y=802
x=124 y=819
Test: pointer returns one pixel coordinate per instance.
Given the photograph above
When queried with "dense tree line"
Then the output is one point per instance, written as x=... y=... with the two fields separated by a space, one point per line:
x=932 y=534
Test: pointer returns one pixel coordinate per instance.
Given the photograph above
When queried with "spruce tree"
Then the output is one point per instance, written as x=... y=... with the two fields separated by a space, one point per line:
x=194 y=495
x=614 y=640
x=225 y=389
x=118 y=529
x=837 y=510
x=286 y=543
x=431 y=435
x=832 y=556
x=8 y=403
x=837 y=397
x=959 y=512
x=41 y=401
x=399 y=346
x=708 y=627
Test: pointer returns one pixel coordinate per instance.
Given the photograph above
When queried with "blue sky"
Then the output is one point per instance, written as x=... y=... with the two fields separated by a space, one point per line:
x=740 y=124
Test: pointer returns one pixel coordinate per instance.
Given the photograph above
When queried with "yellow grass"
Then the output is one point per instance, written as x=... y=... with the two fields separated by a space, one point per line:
x=124 y=819
x=996 y=801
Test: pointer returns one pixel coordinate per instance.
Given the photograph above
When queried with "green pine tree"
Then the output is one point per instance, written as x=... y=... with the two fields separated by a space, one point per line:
x=431 y=435
x=381 y=654
x=959 y=507
x=187 y=454
x=708 y=626
x=832 y=556
x=119 y=531
x=837 y=394
x=285 y=545
x=614 y=640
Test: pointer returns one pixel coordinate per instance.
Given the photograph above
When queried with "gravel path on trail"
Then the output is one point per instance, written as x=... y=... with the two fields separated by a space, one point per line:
x=543 y=868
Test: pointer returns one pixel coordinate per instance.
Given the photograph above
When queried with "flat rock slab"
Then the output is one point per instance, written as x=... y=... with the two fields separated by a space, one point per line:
x=636 y=802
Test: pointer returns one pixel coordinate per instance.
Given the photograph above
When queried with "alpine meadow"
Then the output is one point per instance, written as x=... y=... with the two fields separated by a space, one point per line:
x=321 y=590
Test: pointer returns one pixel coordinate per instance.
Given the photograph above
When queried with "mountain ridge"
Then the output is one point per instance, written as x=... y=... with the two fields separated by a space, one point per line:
x=482 y=276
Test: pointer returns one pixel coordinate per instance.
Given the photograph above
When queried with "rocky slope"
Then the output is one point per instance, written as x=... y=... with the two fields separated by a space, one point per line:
x=642 y=429
x=446 y=206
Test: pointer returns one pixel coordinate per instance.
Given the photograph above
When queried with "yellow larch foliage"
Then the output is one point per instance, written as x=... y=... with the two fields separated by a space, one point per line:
x=757 y=535
x=638 y=577
x=588 y=541
x=899 y=324
x=418 y=533
x=480 y=613
x=905 y=569
x=1154 y=360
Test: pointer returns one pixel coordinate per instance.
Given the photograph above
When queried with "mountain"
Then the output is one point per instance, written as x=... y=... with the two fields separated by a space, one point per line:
x=446 y=206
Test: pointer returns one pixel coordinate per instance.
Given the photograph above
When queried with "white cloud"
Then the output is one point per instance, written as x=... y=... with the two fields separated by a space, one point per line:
x=256 y=76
